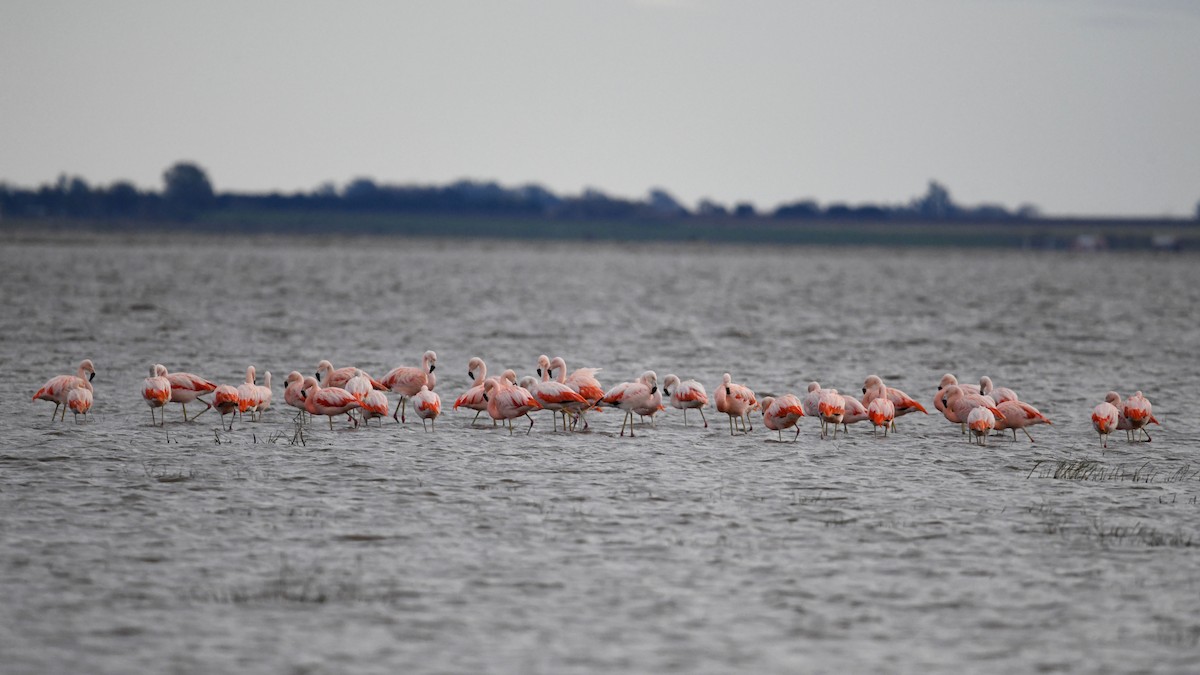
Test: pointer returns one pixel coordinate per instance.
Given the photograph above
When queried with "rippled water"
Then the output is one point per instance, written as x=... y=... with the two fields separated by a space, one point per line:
x=127 y=548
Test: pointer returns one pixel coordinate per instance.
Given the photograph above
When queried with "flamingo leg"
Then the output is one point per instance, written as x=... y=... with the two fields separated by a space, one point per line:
x=731 y=425
x=685 y=417
x=623 y=423
x=55 y=413
x=1026 y=433
x=530 y=425
x=702 y=417
x=397 y=411
x=797 y=433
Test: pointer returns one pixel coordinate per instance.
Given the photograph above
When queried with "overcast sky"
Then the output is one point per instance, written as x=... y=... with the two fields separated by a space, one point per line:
x=1076 y=106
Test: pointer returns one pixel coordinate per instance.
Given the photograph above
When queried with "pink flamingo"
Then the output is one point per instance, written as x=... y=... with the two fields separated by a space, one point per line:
x=374 y=405
x=735 y=400
x=782 y=413
x=248 y=393
x=59 y=387
x=506 y=401
x=408 y=380
x=328 y=401
x=186 y=387
x=882 y=413
x=957 y=404
x=1018 y=415
x=1139 y=412
x=811 y=402
x=685 y=395
x=874 y=388
x=1104 y=420
x=156 y=391
x=472 y=398
x=831 y=408
x=330 y=377
x=637 y=397
x=264 y=394
x=949 y=380
x=583 y=381
x=427 y=406
x=79 y=400
x=981 y=420
x=555 y=396
x=855 y=412
x=998 y=394
x=226 y=401
x=293 y=392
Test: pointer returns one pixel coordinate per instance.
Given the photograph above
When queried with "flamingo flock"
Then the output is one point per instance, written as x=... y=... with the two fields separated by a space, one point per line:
x=980 y=410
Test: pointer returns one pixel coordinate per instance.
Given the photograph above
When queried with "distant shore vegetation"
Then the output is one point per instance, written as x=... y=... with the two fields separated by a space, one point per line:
x=463 y=208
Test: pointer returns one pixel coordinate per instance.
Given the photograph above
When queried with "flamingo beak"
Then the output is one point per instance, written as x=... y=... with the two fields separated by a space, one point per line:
x=485 y=397
x=653 y=389
x=539 y=371
x=471 y=375
x=432 y=366
x=727 y=392
x=92 y=376
x=318 y=376
x=864 y=390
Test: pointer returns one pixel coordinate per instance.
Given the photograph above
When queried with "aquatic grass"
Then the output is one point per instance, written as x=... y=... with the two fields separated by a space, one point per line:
x=311 y=586
x=1093 y=470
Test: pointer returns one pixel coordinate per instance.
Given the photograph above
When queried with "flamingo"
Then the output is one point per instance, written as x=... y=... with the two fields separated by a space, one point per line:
x=359 y=385
x=427 y=406
x=981 y=420
x=556 y=396
x=957 y=404
x=264 y=394
x=811 y=402
x=1139 y=412
x=156 y=391
x=225 y=400
x=59 y=387
x=635 y=397
x=293 y=392
x=1018 y=415
x=506 y=401
x=583 y=381
x=248 y=393
x=998 y=394
x=408 y=380
x=328 y=401
x=831 y=408
x=374 y=405
x=874 y=388
x=186 y=387
x=882 y=413
x=329 y=377
x=855 y=412
x=949 y=380
x=782 y=413
x=79 y=400
x=472 y=398
x=735 y=400
x=1104 y=420
x=688 y=394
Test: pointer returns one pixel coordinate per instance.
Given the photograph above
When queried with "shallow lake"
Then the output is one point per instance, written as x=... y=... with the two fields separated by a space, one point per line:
x=131 y=548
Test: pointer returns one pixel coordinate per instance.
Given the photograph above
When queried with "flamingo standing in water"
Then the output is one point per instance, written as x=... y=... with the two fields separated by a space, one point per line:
x=1105 y=418
x=831 y=408
x=981 y=420
x=264 y=394
x=735 y=400
x=248 y=393
x=998 y=394
x=59 y=387
x=328 y=401
x=555 y=396
x=328 y=376
x=374 y=405
x=225 y=400
x=782 y=413
x=640 y=397
x=408 y=380
x=958 y=402
x=472 y=398
x=506 y=401
x=874 y=388
x=1018 y=415
x=79 y=400
x=156 y=391
x=583 y=381
x=882 y=413
x=427 y=405
x=685 y=395
x=293 y=393
x=1139 y=412
x=186 y=387
x=855 y=412
x=949 y=380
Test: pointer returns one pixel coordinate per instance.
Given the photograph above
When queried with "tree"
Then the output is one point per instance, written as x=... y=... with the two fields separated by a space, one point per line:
x=187 y=192
x=936 y=203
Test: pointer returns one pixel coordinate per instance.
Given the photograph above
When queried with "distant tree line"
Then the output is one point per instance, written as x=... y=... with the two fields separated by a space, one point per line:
x=187 y=193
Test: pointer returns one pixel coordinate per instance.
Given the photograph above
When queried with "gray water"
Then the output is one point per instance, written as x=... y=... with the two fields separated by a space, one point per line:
x=130 y=548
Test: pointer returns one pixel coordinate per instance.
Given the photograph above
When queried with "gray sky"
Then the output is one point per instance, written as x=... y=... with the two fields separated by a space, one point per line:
x=1077 y=106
